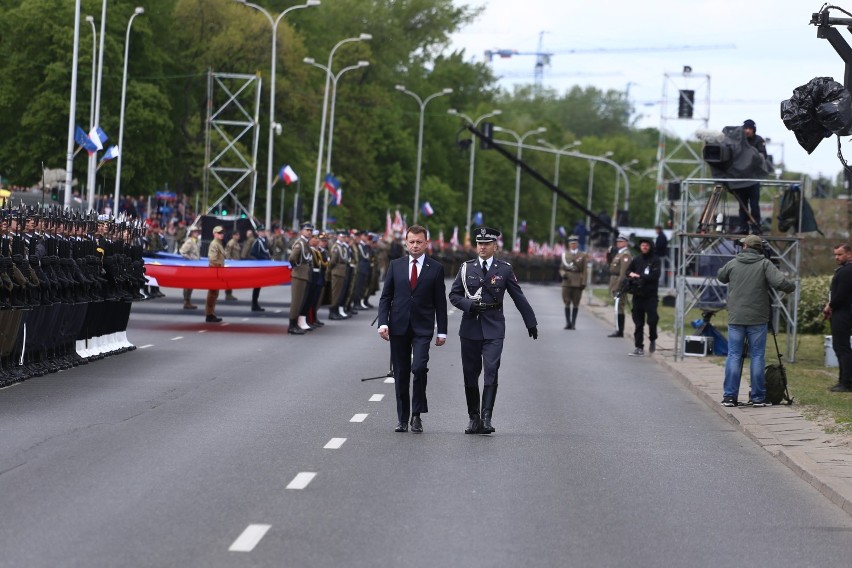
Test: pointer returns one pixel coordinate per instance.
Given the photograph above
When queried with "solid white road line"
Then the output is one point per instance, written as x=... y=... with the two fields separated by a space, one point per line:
x=359 y=418
x=249 y=539
x=302 y=480
x=389 y=380
x=146 y=346
x=176 y=338
x=334 y=444
x=244 y=319
x=278 y=311
x=377 y=398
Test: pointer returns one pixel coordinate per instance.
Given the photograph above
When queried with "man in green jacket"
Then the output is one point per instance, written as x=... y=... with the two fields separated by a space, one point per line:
x=749 y=276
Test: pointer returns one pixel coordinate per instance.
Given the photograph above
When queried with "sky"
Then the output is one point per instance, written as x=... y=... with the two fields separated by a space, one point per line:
x=753 y=54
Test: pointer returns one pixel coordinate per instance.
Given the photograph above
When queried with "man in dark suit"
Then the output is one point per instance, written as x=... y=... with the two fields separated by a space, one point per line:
x=478 y=292
x=413 y=298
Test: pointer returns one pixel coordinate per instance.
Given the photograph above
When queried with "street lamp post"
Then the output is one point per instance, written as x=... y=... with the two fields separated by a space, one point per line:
x=362 y=37
x=558 y=154
x=139 y=10
x=473 y=123
x=626 y=193
x=422 y=103
x=520 y=139
x=93 y=157
x=91 y=182
x=274 y=127
x=591 y=187
x=334 y=79
x=69 y=159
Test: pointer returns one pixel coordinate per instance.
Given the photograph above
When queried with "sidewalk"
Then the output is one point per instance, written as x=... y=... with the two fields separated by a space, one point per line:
x=823 y=460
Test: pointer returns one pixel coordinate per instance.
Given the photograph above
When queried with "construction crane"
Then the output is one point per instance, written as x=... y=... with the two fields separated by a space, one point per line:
x=543 y=58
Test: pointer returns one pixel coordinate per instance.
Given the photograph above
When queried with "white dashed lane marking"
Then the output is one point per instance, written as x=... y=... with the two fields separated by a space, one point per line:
x=146 y=346
x=202 y=331
x=389 y=380
x=359 y=418
x=176 y=338
x=249 y=539
x=302 y=480
x=377 y=398
x=334 y=444
x=246 y=319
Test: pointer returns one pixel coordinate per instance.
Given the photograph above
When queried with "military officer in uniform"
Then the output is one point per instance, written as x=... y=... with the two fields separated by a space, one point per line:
x=215 y=258
x=478 y=292
x=617 y=274
x=338 y=268
x=190 y=250
x=302 y=264
x=572 y=270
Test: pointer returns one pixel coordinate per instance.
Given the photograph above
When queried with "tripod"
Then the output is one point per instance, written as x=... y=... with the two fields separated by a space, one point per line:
x=708 y=215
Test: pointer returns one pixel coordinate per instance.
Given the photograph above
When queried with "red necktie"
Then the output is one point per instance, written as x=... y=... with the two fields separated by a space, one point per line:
x=413 y=273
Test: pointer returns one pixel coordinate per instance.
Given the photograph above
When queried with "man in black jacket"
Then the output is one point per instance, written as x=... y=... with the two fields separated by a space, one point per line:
x=839 y=311
x=644 y=275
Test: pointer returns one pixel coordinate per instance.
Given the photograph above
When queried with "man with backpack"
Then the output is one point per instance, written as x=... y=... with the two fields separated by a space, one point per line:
x=750 y=276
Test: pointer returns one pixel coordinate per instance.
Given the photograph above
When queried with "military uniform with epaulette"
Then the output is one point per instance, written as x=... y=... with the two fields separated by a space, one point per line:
x=301 y=272
x=617 y=276
x=338 y=268
x=572 y=270
x=478 y=291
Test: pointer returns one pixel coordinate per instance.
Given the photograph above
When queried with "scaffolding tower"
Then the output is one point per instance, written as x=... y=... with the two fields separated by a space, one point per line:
x=705 y=242
x=232 y=132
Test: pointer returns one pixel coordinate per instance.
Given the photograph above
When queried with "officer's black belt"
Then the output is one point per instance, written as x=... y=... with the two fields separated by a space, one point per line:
x=494 y=306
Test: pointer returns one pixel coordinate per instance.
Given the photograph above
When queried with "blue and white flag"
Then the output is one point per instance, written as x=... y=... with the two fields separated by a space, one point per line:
x=427 y=210
x=477 y=218
x=111 y=153
x=98 y=137
x=83 y=141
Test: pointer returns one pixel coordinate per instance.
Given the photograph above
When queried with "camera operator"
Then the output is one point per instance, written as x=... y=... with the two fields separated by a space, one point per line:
x=643 y=272
x=750 y=195
x=750 y=276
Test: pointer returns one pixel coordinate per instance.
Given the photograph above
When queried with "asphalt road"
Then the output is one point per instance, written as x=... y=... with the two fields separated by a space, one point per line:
x=238 y=445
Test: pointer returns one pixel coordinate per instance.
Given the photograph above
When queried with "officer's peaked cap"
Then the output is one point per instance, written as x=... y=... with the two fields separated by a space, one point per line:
x=486 y=235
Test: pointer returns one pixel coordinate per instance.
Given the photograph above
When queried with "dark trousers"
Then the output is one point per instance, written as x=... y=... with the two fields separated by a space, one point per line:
x=404 y=366
x=644 y=308
x=478 y=355
x=841 y=323
x=750 y=197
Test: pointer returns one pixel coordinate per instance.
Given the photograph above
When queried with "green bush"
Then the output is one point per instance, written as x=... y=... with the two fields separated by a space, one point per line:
x=812 y=298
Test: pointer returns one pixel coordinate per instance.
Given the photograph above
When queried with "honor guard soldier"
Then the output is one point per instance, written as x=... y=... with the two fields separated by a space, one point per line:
x=617 y=274
x=215 y=258
x=478 y=291
x=572 y=270
x=338 y=268
x=302 y=263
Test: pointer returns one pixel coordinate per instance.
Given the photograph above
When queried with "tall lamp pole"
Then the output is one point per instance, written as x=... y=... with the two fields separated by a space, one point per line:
x=520 y=139
x=422 y=103
x=592 y=185
x=274 y=127
x=334 y=79
x=139 y=10
x=92 y=157
x=69 y=160
x=558 y=154
x=317 y=182
x=627 y=190
x=93 y=170
x=474 y=123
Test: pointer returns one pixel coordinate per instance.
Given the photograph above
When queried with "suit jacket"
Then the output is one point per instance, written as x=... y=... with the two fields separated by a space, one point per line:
x=495 y=283
x=400 y=306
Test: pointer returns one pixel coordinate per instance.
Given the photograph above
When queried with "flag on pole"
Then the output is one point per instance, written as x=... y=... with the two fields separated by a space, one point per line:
x=82 y=140
x=98 y=137
x=562 y=232
x=477 y=218
x=111 y=153
x=454 y=240
x=517 y=246
x=522 y=228
x=388 y=225
x=333 y=187
x=398 y=223
x=426 y=209
x=287 y=175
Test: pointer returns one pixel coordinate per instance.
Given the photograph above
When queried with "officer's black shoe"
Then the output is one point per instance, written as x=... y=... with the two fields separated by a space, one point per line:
x=296 y=330
x=487 y=428
x=840 y=388
x=652 y=347
x=212 y=319
x=319 y=323
x=335 y=316
x=257 y=308
x=474 y=426
x=416 y=424
x=569 y=326
x=401 y=427
x=616 y=334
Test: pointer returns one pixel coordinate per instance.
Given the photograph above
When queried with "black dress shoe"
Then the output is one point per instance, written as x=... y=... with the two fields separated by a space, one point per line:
x=474 y=426
x=212 y=319
x=416 y=424
x=401 y=427
x=616 y=334
x=257 y=308
x=840 y=388
x=487 y=428
x=296 y=330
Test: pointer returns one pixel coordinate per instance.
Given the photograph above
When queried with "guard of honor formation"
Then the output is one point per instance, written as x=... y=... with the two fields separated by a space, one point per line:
x=67 y=281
